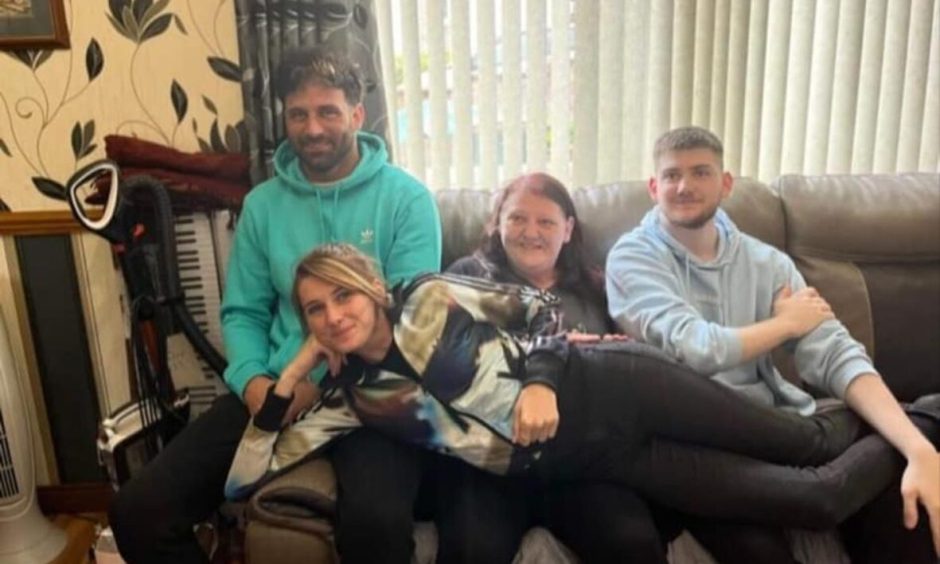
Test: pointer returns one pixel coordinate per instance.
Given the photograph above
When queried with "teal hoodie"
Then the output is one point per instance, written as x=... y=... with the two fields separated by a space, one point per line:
x=379 y=208
x=661 y=294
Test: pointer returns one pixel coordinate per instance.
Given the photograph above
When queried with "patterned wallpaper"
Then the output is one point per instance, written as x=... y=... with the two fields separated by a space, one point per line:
x=162 y=70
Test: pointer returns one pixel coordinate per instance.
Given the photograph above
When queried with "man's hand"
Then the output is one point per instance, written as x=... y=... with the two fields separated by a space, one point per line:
x=305 y=394
x=921 y=483
x=535 y=418
x=256 y=391
x=802 y=311
x=868 y=396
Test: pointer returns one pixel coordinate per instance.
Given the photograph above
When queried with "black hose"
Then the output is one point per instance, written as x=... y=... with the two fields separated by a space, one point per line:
x=163 y=213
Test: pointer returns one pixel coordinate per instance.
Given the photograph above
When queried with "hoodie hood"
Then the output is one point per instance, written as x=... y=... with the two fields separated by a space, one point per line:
x=729 y=239
x=372 y=155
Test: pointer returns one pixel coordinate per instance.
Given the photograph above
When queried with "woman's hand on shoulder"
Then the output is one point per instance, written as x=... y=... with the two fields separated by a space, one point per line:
x=616 y=338
x=579 y=338
x=535 y=417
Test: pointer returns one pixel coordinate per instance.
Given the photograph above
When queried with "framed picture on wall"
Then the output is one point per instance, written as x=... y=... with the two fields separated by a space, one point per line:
x=32 y=24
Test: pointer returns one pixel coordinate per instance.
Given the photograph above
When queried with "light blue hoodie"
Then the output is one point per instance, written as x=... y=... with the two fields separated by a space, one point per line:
x=660 y=293
x=379 y=208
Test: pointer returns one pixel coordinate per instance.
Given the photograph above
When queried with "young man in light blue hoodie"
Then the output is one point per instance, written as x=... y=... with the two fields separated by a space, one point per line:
x=689 y=282
x=333 y=183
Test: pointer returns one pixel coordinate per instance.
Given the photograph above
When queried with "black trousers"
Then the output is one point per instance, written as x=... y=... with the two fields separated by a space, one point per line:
x=378 y=481
x=481 y=517
x=153 y=514
x=616 y=400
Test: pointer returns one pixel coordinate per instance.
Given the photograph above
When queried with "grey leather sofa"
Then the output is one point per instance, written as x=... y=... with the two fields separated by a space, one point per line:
x=869 y=243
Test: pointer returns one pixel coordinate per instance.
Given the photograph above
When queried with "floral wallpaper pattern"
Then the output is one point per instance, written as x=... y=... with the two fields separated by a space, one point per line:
x=135 y=68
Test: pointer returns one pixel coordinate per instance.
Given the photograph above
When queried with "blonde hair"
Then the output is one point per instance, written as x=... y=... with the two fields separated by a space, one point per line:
x=345 y=266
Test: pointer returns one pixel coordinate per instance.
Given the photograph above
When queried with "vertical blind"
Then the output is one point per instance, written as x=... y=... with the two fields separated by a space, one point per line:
x=479 y=91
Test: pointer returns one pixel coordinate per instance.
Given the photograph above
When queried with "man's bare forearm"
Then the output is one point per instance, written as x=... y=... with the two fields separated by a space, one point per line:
x=763 y=337
x=868 y=396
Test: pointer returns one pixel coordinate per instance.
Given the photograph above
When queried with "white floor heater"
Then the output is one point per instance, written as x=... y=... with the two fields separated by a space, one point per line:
x=25 y=535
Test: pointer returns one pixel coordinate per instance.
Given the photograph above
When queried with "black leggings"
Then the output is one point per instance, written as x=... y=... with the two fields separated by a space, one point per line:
x=627 y=413
x=482 y=517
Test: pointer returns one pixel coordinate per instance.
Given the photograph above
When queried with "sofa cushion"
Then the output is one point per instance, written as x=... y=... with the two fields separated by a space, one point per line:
x=871 y=245
x=607 y=211
x=463 y=215
x=298 y=499
x=757 y=210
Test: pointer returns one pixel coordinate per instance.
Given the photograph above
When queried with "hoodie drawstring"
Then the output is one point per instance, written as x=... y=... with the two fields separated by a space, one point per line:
x=327 y=232
x=335 y=207
x=320 y=210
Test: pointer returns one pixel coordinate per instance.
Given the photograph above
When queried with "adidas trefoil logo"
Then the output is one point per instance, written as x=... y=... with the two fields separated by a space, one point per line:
x=366 y=237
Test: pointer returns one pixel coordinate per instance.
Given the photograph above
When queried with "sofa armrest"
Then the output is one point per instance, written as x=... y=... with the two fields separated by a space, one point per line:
x=302 y=499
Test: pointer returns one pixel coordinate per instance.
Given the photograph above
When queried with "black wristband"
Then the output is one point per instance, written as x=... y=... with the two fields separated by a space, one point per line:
x=272 y=411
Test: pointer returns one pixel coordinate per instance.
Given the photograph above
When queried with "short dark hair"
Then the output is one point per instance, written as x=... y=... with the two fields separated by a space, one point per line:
x=318 y=65
x=575 y=272
x=687 y=138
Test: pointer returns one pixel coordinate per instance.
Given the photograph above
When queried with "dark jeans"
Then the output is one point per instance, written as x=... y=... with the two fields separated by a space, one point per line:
x=153 y=514
x=602 y=522
x=740 y=543
x=377 y=486
x=482 y=517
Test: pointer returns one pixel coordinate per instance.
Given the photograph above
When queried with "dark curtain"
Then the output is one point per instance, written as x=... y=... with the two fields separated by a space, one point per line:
x=267 y=27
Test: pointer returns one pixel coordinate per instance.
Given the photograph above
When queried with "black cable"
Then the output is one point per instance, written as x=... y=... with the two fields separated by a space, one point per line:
x=145 y=395
x=170 y=281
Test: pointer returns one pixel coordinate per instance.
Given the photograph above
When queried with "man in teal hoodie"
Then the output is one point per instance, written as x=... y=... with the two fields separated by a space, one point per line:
x=333 y=183
x=689 y=282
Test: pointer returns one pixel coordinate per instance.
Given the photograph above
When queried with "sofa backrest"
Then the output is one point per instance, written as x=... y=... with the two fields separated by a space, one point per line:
x=606 y=212
x=871 y=245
